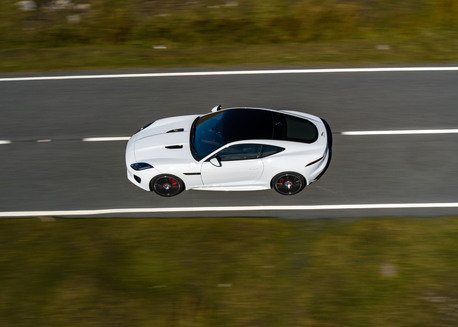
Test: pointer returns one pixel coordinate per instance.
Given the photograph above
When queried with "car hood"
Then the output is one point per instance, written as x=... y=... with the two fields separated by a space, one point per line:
x=164 y=140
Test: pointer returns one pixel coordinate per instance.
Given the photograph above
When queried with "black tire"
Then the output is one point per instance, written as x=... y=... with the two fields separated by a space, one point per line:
x=167 y=185
x=288 y=183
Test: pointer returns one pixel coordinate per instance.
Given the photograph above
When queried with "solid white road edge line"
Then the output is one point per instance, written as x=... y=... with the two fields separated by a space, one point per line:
x=5 y=142
x=403 y=132
x=238 y=72
x=106 y=139
x=12 y=214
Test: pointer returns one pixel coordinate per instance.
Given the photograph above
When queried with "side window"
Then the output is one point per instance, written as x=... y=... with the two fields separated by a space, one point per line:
x=268 y=150
x=240 y=152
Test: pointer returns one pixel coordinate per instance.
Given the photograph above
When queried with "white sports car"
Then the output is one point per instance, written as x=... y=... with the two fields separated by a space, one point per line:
x=234 y=149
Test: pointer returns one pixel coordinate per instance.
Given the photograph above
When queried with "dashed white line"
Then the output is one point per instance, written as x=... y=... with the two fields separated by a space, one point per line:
x=106 y=139
x=238 y=72
x=403 y=132
x=18 y=214
x=351 y=133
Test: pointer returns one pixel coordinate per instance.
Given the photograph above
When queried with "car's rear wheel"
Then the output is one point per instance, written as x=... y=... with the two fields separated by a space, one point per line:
x=167 y=185
x=288 y=183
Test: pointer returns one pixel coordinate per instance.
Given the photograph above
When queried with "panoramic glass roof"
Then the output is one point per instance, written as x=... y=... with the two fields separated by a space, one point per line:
x=210 y=132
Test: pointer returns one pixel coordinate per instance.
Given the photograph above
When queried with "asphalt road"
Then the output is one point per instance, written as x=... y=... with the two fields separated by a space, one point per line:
x=68 y=174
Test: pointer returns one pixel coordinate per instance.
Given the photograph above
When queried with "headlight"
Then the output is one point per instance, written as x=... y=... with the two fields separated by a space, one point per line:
x=141 y=166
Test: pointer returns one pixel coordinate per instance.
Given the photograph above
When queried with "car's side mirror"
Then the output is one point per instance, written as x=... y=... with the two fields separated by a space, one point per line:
x=215 y=162
x=216 y=108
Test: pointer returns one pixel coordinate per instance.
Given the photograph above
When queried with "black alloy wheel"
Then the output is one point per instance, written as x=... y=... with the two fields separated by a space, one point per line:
x=167 y=185
x=288 y=183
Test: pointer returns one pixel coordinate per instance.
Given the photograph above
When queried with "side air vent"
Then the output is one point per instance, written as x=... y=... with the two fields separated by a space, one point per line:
x=176 y=130
x=174 y=147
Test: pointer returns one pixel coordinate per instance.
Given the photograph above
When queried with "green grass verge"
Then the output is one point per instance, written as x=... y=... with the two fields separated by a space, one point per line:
x=122 y=33
x=229 y=272
x=349 y=53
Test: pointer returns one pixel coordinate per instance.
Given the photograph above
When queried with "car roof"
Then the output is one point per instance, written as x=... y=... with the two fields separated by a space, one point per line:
x=260 y=123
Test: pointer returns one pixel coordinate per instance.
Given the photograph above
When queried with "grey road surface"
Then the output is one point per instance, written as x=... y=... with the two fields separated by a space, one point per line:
x=68 y=174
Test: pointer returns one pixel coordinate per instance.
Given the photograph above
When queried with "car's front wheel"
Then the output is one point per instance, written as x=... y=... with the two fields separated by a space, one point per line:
x=288 y=183
x=167 y=185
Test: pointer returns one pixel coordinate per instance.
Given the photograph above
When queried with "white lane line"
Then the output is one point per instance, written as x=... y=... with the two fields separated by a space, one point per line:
x=352 y=133
x=403 y=132
x=237 y=72
x=11 y=214
x=106 y=139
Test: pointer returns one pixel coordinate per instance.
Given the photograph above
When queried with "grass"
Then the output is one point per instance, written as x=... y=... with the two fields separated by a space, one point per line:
x=123 y=33
x=348 y=53
x=229 y=272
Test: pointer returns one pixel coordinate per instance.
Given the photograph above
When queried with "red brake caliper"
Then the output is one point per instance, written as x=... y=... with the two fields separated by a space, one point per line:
x=281 y=180
x=173 y=182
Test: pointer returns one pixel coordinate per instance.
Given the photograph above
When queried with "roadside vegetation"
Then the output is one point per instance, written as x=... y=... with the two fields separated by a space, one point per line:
x=66 y=34
x=229 y=272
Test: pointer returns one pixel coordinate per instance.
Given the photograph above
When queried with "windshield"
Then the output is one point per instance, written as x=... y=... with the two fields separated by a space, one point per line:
x=212 y=131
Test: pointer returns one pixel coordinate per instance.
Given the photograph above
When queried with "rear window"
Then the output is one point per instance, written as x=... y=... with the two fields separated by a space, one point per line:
x=290 y=128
